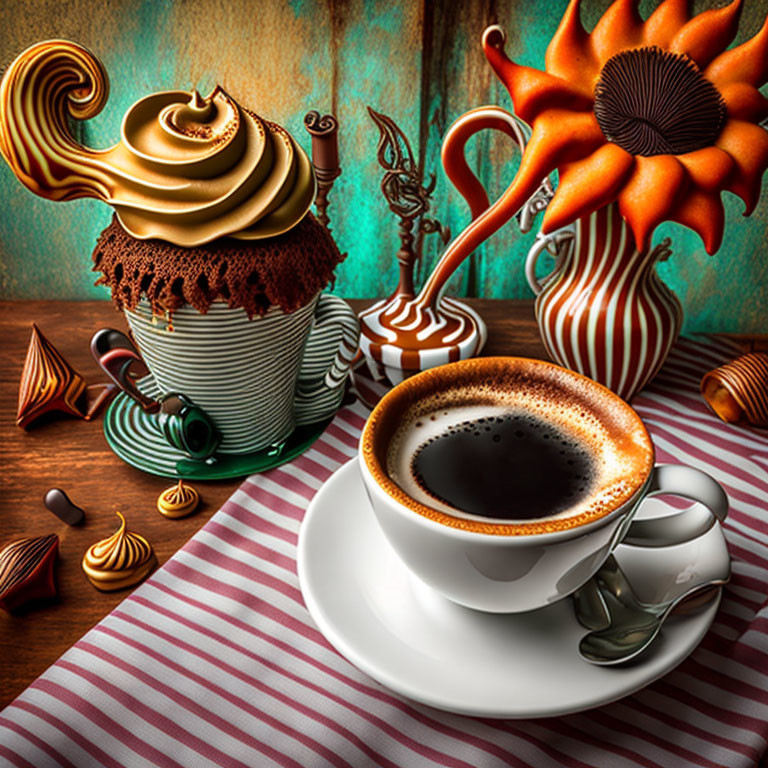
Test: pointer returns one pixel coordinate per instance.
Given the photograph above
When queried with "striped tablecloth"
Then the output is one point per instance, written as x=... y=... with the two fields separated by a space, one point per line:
x=215 y=660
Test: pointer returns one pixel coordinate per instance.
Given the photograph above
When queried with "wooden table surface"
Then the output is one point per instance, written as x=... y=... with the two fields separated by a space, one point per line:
x=72 y=454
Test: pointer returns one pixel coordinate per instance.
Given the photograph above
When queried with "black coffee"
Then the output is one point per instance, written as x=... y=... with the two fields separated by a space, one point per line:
x=513 y=467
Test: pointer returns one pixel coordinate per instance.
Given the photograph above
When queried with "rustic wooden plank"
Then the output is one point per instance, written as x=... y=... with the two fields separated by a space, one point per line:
x=379 y=59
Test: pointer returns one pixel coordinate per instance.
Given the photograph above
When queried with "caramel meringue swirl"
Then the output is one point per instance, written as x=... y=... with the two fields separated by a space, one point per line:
x=187 y=169
x=178 y=500
x=122 y=560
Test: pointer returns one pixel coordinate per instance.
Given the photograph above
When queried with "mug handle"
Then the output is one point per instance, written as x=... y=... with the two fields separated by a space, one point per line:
x=328 y=355
x=685 y=525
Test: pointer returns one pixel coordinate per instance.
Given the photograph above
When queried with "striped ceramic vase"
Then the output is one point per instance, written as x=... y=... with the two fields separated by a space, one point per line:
x=604 y=311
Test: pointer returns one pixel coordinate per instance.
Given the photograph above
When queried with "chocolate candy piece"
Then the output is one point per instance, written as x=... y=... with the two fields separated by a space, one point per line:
x=48 y=383
x=122 y=560
x=60 y=504
x=26 y=571
x=738 y=391
x=178 y=500
x=98 y=397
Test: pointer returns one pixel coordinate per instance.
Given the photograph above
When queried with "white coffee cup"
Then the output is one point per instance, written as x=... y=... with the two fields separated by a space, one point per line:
x=507 y=566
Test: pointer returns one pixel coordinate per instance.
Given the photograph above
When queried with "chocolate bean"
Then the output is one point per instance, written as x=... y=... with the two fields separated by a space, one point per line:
x=60 y=504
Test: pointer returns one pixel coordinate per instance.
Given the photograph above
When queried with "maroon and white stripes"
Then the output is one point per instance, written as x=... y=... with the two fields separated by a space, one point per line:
x=215 y=660
x=605 y=312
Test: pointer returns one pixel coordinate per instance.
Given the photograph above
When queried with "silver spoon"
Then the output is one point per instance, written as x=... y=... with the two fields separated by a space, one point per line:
x=633 y=625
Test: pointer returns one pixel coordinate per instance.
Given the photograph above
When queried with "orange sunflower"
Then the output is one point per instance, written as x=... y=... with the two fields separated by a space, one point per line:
x=653 y=114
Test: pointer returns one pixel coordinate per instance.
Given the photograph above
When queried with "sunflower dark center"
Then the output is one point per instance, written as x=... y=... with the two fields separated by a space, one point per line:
x=653 y=102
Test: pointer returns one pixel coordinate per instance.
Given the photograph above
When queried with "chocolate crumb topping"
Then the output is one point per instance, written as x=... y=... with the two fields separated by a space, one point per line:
x=654 y=102
x=287 y=270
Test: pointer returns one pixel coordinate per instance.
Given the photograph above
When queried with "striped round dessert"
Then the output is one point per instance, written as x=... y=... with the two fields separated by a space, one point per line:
x=738 y=391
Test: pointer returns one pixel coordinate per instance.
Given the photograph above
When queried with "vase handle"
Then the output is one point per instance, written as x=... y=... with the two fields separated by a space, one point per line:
x=557 y=244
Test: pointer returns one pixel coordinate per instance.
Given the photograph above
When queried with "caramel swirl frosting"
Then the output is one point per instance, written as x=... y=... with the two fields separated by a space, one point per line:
x=122 y=560
x=187 y=169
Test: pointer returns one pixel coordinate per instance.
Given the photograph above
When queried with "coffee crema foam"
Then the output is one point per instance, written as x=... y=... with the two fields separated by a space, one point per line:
x=414 y=437
x=433 y=403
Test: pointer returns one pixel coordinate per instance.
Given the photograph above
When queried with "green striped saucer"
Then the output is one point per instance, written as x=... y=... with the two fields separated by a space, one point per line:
x=133 y=435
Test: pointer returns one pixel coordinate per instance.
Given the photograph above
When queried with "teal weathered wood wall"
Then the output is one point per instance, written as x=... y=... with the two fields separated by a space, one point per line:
x=418 y=61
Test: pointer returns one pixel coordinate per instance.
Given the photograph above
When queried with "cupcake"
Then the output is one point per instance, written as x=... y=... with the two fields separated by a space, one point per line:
x=212 y=252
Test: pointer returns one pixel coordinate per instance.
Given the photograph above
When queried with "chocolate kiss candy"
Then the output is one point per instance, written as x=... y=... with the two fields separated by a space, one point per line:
x=26 y=571
x=48 y=383
x=60 y=504
x=122 y=560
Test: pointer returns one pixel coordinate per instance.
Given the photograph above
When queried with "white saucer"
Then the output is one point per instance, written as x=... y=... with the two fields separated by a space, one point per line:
x=415 y=642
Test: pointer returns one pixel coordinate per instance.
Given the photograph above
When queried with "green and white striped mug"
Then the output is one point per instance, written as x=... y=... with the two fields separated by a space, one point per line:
x=256 y=379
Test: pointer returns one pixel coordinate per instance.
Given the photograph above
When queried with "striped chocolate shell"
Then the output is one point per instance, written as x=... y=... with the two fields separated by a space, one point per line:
x=738 y=391
x=26 y=571
x=48 y=383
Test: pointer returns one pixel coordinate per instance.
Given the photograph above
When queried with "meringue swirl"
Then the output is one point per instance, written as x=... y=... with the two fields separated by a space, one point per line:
x=187 y=169
x=178 y=500
x=122 y=560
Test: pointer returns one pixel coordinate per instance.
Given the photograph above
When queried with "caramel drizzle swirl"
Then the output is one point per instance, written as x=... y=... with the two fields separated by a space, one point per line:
x=48 y=382
x=187 y=169
x=120 y=560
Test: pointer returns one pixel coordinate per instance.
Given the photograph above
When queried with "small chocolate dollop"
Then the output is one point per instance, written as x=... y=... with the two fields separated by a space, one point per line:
x=122 y=560
x=61 y=505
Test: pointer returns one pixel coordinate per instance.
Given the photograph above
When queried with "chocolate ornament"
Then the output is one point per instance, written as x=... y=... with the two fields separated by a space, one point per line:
x=738 y=391
x=26 y=571
x=178 y=500
x=60 y=504
x=48 y=383
x=325 y=158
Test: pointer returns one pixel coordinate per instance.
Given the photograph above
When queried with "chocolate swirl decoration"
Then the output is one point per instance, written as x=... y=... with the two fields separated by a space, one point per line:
x=48 y=383
x=122 y=560
x=187 y=170
x=738 y=391
x=178 y=500
x=655 y=102
x=26 y=571
x=325 y=147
